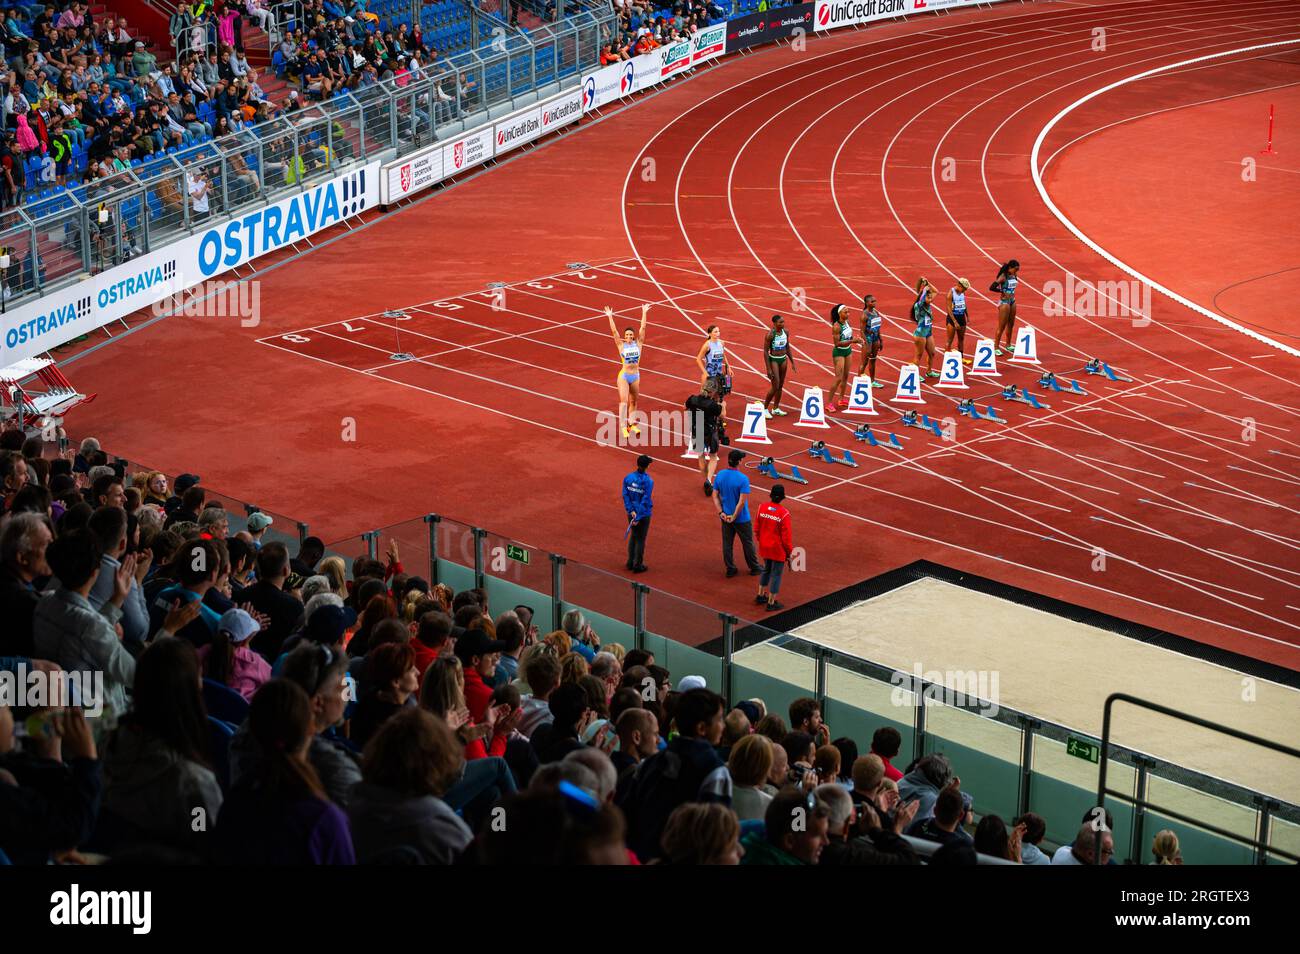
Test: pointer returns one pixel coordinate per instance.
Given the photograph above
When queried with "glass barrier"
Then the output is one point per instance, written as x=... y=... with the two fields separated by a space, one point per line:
x=608 y=601
x=455 y=555
x=518 y=575
x=685 y=637
x=1198 y=845
x=1286 y=836
x=1063 y=788
x=984 y=753
x=857 y=705
x=772 y=673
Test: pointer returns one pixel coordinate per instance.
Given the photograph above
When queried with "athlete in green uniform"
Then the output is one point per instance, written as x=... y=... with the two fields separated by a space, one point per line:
x=777 y=356
x=842 y=341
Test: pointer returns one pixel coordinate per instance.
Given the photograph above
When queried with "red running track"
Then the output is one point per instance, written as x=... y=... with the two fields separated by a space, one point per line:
x=814 y=175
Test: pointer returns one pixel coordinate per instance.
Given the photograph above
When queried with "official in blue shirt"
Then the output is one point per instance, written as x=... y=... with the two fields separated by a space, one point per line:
x=731 y=496
x=638 y=489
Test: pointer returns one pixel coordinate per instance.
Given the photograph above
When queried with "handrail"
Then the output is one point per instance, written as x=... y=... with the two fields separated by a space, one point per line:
x=1003 y=714
x=1262 y=849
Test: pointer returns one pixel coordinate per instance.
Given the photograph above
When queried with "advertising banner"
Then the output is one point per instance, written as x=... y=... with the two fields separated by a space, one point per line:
x=414 y=173
x=769 y=26
x=36 y=327
x=708 y=43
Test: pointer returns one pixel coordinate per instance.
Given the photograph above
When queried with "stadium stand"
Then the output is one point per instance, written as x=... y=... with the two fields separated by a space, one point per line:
x=317 y=709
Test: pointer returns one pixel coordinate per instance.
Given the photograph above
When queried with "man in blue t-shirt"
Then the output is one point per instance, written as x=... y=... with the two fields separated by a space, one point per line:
x=731 y=496
x=638 y=489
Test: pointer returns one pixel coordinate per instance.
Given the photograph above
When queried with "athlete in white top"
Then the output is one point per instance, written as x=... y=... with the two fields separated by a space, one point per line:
x=628 y=381
x=712 y=362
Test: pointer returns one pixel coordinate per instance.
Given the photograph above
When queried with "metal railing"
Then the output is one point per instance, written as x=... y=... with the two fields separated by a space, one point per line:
x=57 y=240
x=1142 y=804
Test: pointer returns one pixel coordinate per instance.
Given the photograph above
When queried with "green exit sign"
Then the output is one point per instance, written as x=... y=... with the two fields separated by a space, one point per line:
x=1082 y=749
x=520 y=555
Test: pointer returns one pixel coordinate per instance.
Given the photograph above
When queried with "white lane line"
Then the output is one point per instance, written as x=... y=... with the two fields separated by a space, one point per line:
x=1036 y=173
x=1026 y=500
x=1041 y=473
x=1136 y=470
x=1216 y=586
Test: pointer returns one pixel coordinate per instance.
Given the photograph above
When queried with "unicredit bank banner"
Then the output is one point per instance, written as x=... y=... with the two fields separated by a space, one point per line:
x=769 y=26
x=832 y=14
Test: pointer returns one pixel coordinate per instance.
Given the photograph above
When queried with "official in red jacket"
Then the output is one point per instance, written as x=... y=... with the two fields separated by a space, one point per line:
x=774 y=545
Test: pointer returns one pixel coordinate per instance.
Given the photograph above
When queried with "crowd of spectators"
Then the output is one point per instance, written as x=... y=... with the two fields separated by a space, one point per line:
x=643 y=27
x=84 y=97
x=258 y=706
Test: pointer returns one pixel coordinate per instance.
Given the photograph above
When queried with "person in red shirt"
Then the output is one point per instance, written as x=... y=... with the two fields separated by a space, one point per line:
x=432 y=638
x=885 y=744
x=478 y=651
x=775 y=545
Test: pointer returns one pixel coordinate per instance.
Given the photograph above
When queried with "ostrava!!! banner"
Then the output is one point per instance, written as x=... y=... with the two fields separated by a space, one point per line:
x=35 y=327
x=769 y=26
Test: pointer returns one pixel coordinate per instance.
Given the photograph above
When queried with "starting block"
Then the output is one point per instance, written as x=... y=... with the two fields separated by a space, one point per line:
x=1022 y=396
x=820 y=451
x=968 y=408
x=922 y=421
x=767 y=467
x=1097 y=366
x=863 y=433
x=1048 y=380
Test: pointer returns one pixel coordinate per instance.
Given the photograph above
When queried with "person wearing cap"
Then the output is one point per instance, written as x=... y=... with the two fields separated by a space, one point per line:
x=229 y=660
x=257 y=524
x=957 y=317
x=479 y=651
x=775 y=544
x=730 y=498
x=638 y=490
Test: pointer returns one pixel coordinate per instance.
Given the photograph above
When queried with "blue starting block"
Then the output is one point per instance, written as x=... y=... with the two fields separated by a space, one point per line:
x=1097 y=366
x=767 y=467
x=863 y=433
x=819 y=451
x=968 y=408
x=1021 y=396
x=1048 y=380
x=921 y=422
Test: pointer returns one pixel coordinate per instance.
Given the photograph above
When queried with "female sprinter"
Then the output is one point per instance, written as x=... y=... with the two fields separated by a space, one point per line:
x=842 y=341
x=777 y=354
x=872 y=342
x=957 y=318
x=629 y=375
x=924 y=333
x=1005 y=284
x=712 y=362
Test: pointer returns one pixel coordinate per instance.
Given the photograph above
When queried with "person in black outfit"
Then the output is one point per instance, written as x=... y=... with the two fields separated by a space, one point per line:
x=269 y=598
x=706 y=415
x=556 y=739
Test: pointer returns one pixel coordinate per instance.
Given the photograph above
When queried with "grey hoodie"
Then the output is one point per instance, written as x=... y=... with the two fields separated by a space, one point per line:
x=383 y=820
x=156 y=789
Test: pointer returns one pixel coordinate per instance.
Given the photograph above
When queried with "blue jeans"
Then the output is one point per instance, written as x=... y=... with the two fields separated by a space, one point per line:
x=483 y=783
x=771 y=578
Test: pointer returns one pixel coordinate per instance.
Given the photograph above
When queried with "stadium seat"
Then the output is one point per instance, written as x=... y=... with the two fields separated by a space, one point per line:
x=219 y=735
x=223 y=702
